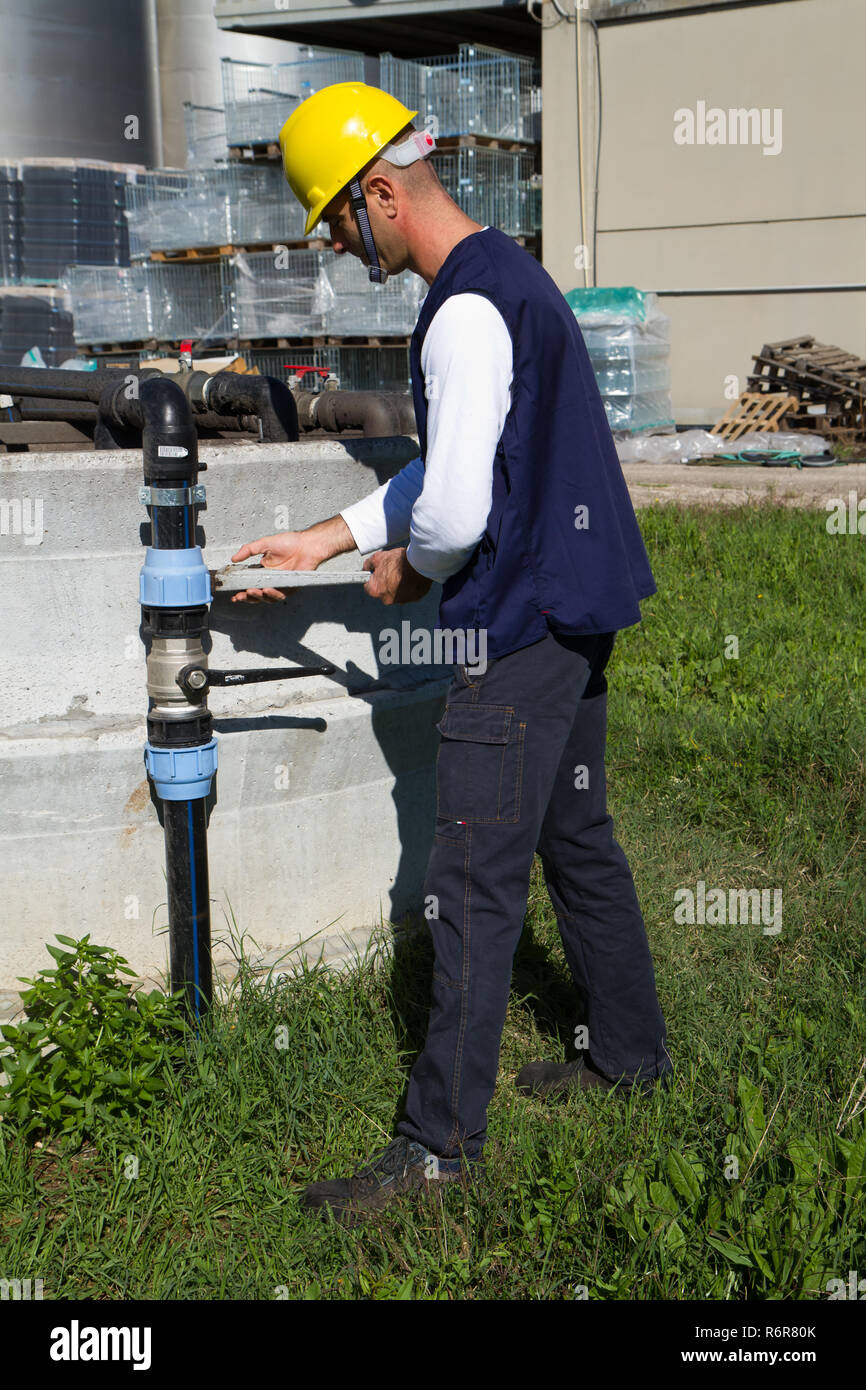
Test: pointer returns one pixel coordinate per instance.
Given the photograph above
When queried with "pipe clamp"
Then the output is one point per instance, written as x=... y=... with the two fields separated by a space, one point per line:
x=172 y=496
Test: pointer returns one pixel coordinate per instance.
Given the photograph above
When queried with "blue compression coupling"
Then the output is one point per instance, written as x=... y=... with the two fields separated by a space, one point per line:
x=181 y=774
x=174 y=578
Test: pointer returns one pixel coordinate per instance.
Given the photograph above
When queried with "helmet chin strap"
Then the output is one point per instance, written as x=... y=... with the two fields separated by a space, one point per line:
x=419 y=145
x=377 y=272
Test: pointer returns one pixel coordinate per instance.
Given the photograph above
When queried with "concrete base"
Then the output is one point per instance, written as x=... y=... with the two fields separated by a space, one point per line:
x=322 y=811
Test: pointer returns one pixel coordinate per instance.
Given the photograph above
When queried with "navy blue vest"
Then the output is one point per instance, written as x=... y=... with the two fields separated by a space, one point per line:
x=562 y=550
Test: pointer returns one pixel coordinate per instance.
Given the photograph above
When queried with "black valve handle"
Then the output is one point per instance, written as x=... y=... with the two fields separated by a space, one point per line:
x=193 y=680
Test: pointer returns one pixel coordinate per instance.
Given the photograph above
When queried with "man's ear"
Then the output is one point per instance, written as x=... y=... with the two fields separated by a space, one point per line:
x=385 y=191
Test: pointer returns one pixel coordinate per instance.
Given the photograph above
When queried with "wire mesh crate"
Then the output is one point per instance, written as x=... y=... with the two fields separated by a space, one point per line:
x=205 y=133
x=360 y=307
x=187 y=301
x=358 y=368
x=154 y=201
x=227 y=204
x=108 y=303
x=259 y=97
x=494 y=187
x=283 y=294
x=477 y=91
x=126 y=304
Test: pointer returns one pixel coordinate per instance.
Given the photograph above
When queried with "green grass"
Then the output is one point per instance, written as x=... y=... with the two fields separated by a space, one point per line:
x=743 y=773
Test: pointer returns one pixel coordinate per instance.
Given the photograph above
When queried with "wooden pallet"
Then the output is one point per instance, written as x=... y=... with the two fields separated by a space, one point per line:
x=805 y=360
x=121 y=349
x=268 y=151
x=319 y=341
x=755 y=410
x=257 y=152
x=195 y=254
x=818 y=374
x=487 y=142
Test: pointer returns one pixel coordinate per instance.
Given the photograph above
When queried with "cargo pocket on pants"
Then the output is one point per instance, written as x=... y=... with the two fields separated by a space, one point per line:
x=479 y=769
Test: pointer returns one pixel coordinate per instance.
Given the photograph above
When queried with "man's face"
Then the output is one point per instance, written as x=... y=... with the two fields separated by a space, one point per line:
x=344 y=229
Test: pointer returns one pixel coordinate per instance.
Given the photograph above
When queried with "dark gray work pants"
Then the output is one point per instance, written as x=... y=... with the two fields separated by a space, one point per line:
x=521 y=767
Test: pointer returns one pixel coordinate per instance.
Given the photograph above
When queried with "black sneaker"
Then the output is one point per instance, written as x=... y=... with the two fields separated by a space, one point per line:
x=567 y=1078
x=404 y=1166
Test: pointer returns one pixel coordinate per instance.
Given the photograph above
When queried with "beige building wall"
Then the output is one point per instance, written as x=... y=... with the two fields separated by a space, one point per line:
x=719 y=216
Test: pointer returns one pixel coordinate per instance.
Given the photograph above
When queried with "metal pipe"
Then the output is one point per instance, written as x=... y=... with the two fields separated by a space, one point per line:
x=229 y=393
x=64 y=385
x=379 y=415
x=41 y=408
x=180 y=753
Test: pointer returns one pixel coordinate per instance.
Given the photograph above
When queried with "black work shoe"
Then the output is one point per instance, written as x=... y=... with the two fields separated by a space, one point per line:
x=561 y=1078
x=403 y=1166
x=567 y=1078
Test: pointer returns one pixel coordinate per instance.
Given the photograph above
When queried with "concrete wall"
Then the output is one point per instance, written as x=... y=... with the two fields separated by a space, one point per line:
x=324 y=806
x=717 y=216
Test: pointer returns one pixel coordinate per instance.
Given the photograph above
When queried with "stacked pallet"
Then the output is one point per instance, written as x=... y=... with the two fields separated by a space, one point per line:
x=828 y=384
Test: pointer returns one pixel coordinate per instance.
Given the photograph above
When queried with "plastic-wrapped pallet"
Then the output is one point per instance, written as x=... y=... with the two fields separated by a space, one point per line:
x=187 y=301
x=71 y=212
x=284 y=294
x=126 y=304
x=109 y=304
x=628 y=339
x=258 y=98
x=10 y=228
x=235 y=204
x=31 y=320
x=359 y=307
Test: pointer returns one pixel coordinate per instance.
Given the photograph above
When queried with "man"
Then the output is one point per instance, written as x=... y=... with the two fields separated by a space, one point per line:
x=518 y=506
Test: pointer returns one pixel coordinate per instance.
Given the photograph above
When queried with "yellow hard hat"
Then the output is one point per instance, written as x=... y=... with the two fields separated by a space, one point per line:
x=329 y=138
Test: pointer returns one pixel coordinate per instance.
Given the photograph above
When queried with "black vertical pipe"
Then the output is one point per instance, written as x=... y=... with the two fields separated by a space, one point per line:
x=189 y=902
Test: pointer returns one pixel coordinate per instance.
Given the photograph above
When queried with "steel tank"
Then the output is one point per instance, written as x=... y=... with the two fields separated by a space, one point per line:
x=79 y=80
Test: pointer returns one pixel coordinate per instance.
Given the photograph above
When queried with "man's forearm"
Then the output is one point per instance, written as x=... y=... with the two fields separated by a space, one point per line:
x=331 y=537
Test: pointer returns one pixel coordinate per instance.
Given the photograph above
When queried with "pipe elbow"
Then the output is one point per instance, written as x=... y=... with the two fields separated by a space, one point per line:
x=263 y=396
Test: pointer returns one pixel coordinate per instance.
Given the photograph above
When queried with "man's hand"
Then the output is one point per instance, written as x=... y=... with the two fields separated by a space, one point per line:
x=394 y=580
x=294 y=550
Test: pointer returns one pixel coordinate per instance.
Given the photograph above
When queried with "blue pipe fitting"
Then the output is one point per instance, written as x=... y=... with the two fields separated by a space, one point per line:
x=181 y=774
x=174 y=579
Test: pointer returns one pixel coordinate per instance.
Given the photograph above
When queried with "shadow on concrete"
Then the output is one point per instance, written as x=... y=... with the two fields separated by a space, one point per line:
x=276 y=631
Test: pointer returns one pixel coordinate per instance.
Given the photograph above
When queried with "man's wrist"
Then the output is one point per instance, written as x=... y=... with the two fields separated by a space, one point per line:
x=331 y=537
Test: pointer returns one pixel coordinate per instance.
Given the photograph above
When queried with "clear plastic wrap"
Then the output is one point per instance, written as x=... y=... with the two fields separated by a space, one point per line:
x=109 y=304
x=360 y=307
x=628 y=339
x=34 y=321
x=696 y=444
x=127 y=304
x=226 y=205
x=284 y=296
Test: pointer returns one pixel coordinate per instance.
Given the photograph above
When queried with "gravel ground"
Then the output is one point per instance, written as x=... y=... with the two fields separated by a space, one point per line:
x=729 y=485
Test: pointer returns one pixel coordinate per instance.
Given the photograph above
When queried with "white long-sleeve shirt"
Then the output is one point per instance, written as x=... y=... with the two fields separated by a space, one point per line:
x=442 y=510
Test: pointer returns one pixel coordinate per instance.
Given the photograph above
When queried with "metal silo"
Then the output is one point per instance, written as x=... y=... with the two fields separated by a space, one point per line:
x=79 y=80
